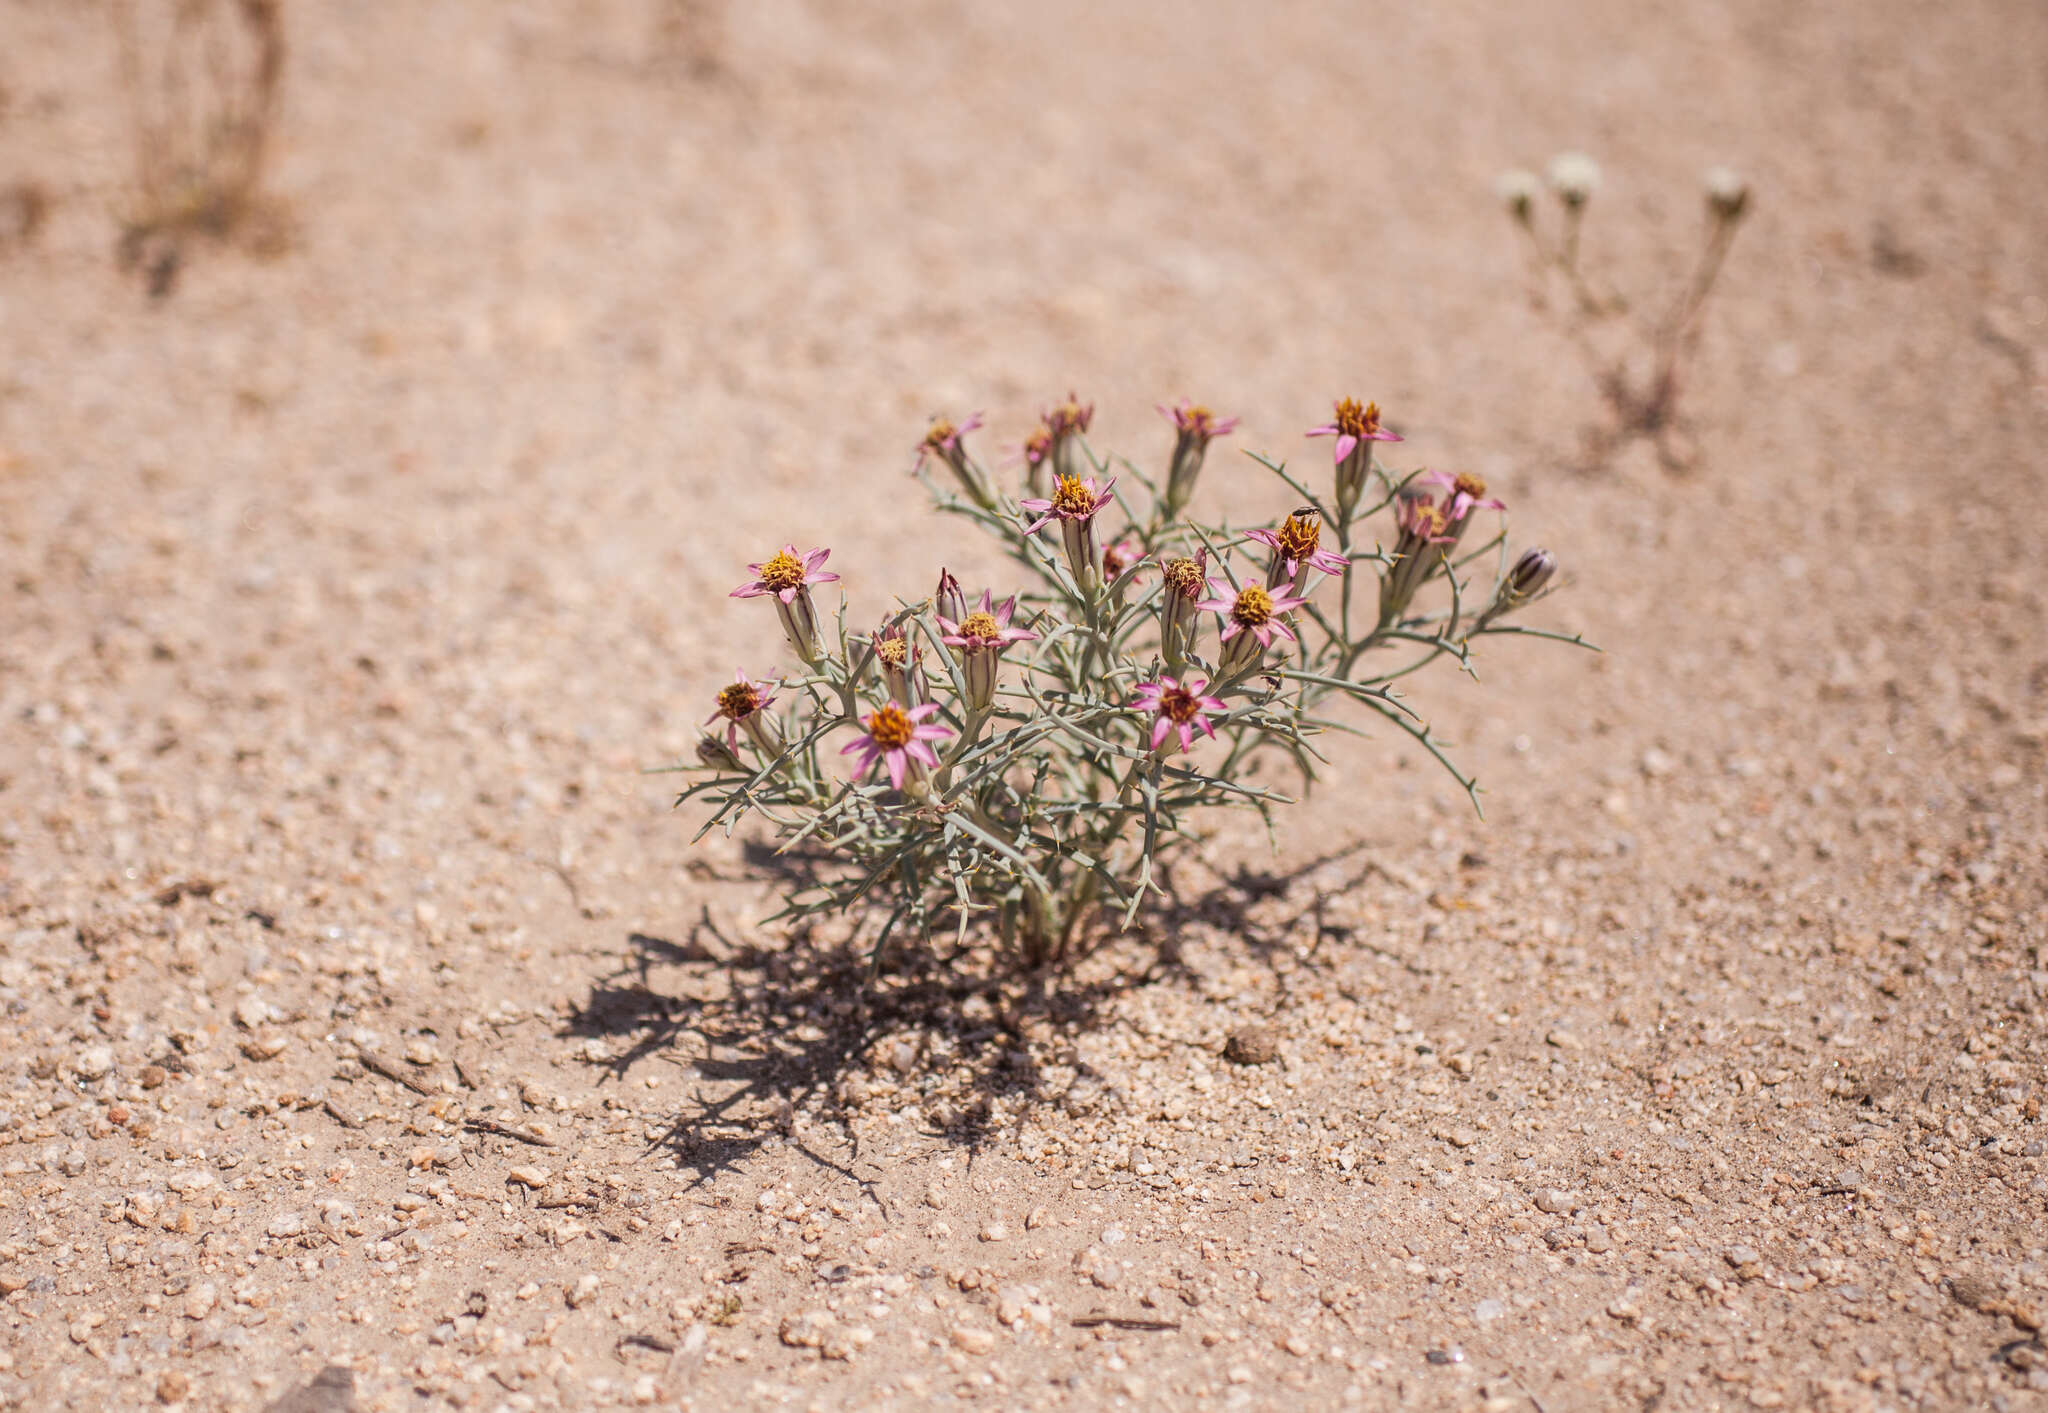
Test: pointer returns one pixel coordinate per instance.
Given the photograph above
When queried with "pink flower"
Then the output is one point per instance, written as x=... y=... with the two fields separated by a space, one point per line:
x=1256 y=612
x=1177 y=706
x=1421 y=523
x=1075 y=503
x=898 y=739
x=1194 y=427
x=1073 y=498
x=789 y=579
x=1180 y=602
x=783 y=574
x=899 y=657
x=1295 y=547
x=1353 y=424
x=1356 y=429
x=944 y=441
x=1250 y=622
x=1121 y=557
x=1193 y=420
x=1467 y=494
x=744 y=704
x=981 y=637
x=987 y=627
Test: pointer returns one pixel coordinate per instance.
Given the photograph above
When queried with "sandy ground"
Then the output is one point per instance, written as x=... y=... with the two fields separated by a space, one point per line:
x=364 y=1006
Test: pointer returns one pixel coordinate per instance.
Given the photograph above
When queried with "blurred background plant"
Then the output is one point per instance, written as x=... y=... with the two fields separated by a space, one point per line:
x=1637 y=361
x=1033 y=761
x=203 y=79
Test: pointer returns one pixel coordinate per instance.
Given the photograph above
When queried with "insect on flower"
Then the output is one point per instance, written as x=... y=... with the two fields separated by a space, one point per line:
x=1296 y=550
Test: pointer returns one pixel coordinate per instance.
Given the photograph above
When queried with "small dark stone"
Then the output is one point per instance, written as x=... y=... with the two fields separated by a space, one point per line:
x=1445 y=1356
x=1252 y=1045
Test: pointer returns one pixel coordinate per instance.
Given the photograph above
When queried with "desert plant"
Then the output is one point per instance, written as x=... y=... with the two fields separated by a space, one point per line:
x=1641 y=373
x=1031 y=760
x=203 y=80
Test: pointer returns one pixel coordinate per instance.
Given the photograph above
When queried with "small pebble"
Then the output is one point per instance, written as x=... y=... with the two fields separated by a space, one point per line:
x=1554 y=1200
x=581 y=1293
x=970 y=1339
x=94 y=1062
x=1252 y=1045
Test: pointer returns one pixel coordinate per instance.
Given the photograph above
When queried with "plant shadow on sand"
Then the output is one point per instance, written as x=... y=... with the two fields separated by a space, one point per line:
x=821 y=1028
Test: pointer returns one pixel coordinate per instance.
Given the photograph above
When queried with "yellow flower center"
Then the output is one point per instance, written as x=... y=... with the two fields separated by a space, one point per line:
x=890 y=727
x=1179 y=705
x=1356 y=421
x=1199 y=420
x=1037 y=445
x=941 y=432
x=1469 y=486
x=1300 y=535
x=1429 y=522
x=1072 y=498
x=1069 y=416
x=894 y=651
x=1253 y=607
x=1184 y=577
x=783 y=571
x=980 y=625
x=739 y=701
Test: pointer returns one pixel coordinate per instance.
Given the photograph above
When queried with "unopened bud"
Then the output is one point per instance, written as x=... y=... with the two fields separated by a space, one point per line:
x=950 y=601
x=715 y=753
x=1531 y=572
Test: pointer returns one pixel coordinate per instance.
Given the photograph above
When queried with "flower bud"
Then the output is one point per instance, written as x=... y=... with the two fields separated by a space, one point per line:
x=1526 y=580
x=949 y=601
x=1531 y=572
x=716 y=754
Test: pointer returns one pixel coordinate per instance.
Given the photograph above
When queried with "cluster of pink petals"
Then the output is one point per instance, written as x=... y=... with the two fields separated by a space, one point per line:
x=948 y=443
x=1264 y=631
x=1177 y=706
x=1122 y=558
x=1328 y=561
x=810 y=560
x=1050 y=510
x=1345 y=428
x=1190 y=419
x=896 y=756
x=1458 y=501
x=759 y=694
x=1005 y=635
x=1420 y=517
